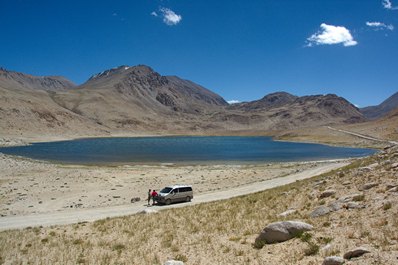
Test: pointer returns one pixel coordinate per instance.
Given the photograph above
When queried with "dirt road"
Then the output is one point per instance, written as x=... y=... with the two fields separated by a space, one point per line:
x=89 y=215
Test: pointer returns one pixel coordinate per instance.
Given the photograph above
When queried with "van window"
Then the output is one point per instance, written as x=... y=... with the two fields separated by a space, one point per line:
x=166 y=190
x=185 y=189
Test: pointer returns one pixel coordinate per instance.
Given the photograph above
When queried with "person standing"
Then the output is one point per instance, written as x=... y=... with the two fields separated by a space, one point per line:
x=154 y=195
x=149 y=197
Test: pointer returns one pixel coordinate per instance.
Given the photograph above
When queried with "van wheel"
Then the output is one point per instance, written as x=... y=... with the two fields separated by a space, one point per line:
x=188 y=199
x=168 y=201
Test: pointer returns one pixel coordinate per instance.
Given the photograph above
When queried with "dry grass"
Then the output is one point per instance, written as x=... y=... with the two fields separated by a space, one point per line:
x=223 y=232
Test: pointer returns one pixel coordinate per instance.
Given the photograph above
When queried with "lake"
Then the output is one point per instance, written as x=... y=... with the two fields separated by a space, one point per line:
x=181 y=150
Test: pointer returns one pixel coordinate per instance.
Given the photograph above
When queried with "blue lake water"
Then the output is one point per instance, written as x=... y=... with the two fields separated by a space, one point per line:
x=181 y=150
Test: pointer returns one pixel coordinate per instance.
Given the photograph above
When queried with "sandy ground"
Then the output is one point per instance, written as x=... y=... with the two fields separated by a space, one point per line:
x=67 y=194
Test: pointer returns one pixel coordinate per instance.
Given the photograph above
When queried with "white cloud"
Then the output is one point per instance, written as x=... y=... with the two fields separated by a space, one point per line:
x=379 y=26
x=154 y=14
x=387 y=4
x=330 y=34
x=170 y=17
x=234 y=101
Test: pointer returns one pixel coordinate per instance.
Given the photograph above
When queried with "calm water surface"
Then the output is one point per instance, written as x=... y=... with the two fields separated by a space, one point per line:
x=181 y=150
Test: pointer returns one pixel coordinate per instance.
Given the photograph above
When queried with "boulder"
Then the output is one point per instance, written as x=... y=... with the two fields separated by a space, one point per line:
x=320 y=211
x=174 y=262
x=327 y=193
x=357 y=252
x=368 y=186
x=333 y=260
x=281 y=231
x=335 y=206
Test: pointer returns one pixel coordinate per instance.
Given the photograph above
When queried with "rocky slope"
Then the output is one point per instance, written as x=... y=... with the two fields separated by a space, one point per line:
x=381 y=110
x=15 y=80
x=137 y=100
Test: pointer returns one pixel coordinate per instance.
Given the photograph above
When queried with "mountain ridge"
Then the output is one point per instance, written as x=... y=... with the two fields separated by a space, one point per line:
x=138 y=100
x=381 y=110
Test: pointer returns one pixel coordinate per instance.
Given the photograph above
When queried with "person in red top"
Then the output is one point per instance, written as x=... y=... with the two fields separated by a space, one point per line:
x=154 y=195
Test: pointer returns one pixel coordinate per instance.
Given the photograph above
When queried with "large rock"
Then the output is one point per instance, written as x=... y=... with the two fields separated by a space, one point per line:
x=357 y=252
x=281 y=231
x=174 y=262
x=320 y=211
x=333 y=260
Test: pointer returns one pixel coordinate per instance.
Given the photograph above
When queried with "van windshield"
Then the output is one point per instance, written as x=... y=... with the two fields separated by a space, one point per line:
x=166 y=190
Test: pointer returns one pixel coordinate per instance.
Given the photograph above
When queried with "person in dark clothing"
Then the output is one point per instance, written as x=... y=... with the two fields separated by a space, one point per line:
x=149 y=196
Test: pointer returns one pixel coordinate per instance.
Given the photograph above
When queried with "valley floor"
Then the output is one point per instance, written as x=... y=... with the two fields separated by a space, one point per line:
x=62 y=193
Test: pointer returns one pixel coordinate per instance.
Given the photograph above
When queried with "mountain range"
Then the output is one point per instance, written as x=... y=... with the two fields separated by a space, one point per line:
x=137 y=100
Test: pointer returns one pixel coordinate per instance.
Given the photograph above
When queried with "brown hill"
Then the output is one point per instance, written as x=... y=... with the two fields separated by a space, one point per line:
x=15 y=80
x=381 y=110
x=137 y=100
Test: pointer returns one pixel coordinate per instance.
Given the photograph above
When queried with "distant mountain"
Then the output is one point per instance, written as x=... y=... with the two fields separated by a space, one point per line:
x=11 y=79
x=270 y=101
x=281 y=110
x=137 y=100
x=381 y=110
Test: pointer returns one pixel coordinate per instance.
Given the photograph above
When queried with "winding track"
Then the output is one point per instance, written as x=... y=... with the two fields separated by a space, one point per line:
x=363 y=136
x=89 y=215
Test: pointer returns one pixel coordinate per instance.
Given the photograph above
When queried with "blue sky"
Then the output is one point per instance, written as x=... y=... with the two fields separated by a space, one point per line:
x=239 y=49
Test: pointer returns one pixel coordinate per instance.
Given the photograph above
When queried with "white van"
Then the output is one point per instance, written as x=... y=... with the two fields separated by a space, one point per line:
x=176 y=193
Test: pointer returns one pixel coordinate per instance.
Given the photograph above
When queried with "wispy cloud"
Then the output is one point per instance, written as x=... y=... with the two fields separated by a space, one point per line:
x=387 y=4
x=379 y=26
x=329 y=35
x=168 y=16
x=234 y=101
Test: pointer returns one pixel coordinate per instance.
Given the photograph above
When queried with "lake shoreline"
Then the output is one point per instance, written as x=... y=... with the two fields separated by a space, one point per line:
x=181 y=151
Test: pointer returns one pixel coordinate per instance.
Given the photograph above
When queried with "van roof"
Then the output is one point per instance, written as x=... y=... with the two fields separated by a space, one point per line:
x=179 y=186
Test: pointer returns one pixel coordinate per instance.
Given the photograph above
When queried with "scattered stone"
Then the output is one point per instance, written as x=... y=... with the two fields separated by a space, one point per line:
x=395 y=189
x=320 y=211
x=116 y=197
x=327 y=193
x=286 y=213
x=346 y=183
x=351 y=197
x=390 y=186
x=135 y=199
x=335 y=206
x=281 y=231
x=395 y=165
x=333 y=260
x=368 y=186
x=353 y=205
x=174 y=262
x=365 y=169
x=326 y=248
x=357 y=252
x=148 y=211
